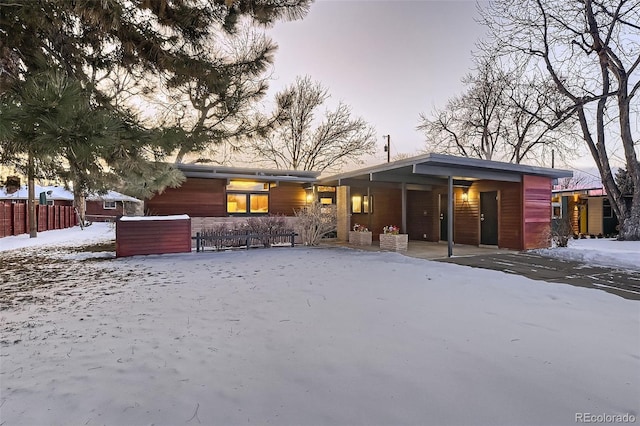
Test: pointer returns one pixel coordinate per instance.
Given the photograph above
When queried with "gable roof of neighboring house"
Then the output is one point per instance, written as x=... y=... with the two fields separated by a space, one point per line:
x=59 y=193
x=246 y=173
x=435 y=169
x=113 y=196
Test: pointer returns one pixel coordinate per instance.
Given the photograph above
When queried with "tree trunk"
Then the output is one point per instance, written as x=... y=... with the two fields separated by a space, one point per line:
x=79 y=202
x=33 y=227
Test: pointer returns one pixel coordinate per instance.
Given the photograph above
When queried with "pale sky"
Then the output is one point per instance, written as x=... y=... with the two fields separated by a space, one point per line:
x=388 y=60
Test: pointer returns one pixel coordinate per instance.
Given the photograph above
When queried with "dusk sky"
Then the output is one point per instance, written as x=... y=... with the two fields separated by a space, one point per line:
x=388 y=60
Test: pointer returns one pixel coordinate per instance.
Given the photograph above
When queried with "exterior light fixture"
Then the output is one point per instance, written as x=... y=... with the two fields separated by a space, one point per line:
x=465 y=195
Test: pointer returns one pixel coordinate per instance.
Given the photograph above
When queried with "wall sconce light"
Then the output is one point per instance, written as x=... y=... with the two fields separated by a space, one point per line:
x=309 y=198
x=465 y=195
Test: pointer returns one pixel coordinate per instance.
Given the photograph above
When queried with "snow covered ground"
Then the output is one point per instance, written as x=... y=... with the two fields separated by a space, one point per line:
x=302 y=336
x=599 y=251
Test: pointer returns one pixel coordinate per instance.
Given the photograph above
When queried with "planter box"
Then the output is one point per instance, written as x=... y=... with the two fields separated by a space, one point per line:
x=360 y=238
x=394 y=242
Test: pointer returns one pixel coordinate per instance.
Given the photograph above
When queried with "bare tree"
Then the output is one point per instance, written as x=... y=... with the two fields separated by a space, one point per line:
x=299 y=141
x=590 y=50
x=505 y=113
x=471 y=125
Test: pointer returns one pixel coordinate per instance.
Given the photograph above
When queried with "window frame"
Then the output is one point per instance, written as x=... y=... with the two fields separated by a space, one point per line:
x=105 y=207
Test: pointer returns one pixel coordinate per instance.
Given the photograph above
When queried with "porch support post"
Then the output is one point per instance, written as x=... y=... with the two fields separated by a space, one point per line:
x=404 y=208
x=369 y=208
x=450 y=218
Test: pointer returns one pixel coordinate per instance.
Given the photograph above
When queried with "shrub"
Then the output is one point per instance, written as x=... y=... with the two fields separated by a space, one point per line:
x=561 y=232
x=315 y=221
x=265 y=225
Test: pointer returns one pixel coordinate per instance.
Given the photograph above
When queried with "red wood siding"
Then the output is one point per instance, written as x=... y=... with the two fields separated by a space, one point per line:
x=536 y=207
x=136 y=237
x=466 y=216
x=421 y=215
x=284 y=199
x=96 y=212
x=196 y=197
x=387 y=209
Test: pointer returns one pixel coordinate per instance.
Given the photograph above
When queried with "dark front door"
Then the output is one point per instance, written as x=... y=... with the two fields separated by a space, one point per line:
x=489 y=218
x=444 y=218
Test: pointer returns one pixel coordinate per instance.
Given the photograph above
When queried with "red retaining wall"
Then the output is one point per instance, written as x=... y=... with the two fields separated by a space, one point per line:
x=153 y=235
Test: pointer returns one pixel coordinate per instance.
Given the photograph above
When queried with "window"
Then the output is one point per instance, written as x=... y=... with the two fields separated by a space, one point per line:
x=247 y=197
x=362 y=204
x=607 y=211
x=556 y=211
x=109 y=205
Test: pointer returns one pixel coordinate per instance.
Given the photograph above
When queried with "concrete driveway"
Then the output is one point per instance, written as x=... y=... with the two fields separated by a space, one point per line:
x=621 y=282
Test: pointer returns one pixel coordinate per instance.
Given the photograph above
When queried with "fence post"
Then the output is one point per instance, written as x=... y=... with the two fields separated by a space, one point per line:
x=293 y=239
x=197 y=242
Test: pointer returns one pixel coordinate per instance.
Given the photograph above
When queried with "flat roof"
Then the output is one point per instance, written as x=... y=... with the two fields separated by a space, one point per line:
x=246 y=173
x=432 y=168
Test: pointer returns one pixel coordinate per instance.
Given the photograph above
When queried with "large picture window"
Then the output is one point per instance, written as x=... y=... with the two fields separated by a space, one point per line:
x=247 y=197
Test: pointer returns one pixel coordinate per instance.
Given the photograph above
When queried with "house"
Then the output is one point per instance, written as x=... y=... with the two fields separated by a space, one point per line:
x=107 y=207
x=588 y=211
x=218 y=194
x=435 y=197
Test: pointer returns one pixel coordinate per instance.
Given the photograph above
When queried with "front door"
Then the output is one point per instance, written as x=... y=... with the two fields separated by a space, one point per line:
x=444 y=218
x=489 y=218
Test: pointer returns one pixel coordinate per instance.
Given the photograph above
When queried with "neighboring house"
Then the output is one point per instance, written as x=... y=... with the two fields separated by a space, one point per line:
x=588 y=211
x=215 y=194
x=51 y=195
x=435 y=197
x=107 y=207
x=55 y=208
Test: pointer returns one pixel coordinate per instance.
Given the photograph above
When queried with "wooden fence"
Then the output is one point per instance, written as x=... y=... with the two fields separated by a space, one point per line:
x=14 y=218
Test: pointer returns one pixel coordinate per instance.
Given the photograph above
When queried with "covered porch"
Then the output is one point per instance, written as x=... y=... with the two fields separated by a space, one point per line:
x=461 y=201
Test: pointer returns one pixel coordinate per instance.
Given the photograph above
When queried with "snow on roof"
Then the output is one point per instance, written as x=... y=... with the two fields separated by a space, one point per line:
x=60 y=193
x=112 y=196
x=53 y=193
x=145 y=218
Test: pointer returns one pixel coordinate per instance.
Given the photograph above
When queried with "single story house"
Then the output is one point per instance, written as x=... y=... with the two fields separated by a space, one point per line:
x=106 y=207
x=588 y=210
x=431 y=197
x=436 y=197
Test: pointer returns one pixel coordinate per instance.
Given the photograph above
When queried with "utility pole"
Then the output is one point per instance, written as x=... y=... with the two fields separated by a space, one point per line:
x=387 y=147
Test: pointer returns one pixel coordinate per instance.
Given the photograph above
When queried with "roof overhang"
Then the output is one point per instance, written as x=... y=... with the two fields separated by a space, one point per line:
x=243 y=173
x=435 y=169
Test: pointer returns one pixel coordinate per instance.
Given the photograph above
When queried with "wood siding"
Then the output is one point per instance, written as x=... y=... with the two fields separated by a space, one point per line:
x=96 y=212
x=136 y=237
x=387 y=209
x=594 y=216
x=284 y=199
x=422 y=217
x=536 y=207
x=196 y=197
